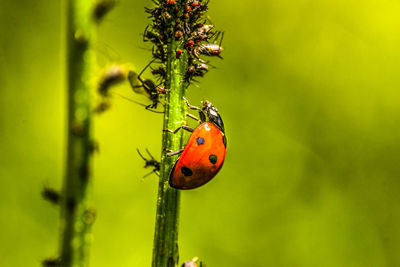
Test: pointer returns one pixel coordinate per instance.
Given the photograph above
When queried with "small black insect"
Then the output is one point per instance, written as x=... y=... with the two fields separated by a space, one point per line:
x=152 y=162
x=196 y=70
x=52 y=262
x=111 y=76
x=146 y=87
x=160 y=72
x=51 y=195
x=101 y=8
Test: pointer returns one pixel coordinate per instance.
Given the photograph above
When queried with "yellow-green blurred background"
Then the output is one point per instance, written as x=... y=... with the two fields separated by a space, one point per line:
x=309 y=94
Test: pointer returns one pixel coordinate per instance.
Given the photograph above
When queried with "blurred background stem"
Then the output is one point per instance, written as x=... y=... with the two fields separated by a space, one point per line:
x=165 y=251
x=76 y=215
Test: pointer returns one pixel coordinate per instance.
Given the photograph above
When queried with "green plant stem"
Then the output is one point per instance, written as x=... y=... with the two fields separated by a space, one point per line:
x=165 y=251
x=76 y=216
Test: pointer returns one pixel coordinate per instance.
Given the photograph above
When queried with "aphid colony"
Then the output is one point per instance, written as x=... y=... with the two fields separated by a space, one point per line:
x=183 y=21
x=180 y=22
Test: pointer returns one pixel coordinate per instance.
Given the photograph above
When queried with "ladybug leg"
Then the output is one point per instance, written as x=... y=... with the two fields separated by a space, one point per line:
x=193 y=117
x=173 y=153
x=201 y=112
x=190 y=106
x=185 y=127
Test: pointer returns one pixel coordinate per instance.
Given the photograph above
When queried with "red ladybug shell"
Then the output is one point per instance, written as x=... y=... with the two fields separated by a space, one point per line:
x=201 y=159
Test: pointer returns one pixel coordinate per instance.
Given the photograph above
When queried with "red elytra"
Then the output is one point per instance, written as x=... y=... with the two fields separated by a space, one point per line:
x=204 y=153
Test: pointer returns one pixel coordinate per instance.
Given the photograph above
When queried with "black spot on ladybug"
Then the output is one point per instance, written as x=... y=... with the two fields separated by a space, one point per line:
x=186 y=171
x=212 y=159
x=224 y=140
x=200 y=140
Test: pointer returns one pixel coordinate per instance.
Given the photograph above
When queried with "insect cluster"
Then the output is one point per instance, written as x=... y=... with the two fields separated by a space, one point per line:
x=179 y=32
x=184 y=22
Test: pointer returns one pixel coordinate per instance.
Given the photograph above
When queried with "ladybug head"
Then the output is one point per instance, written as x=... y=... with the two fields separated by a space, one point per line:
x=212 y=114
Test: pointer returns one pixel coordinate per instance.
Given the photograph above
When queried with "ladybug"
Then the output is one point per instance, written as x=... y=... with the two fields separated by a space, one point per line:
x=204 y=153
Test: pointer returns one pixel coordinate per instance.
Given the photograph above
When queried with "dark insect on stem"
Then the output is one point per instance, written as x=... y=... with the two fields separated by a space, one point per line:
x=146 y=87
x=102 y=106
x=159 y=53
x=196 y=70
x=52 y=262
x=178 y=34
x=178 y=53
x=209 y=49
x=152 y=162
x=204 y=33
x=149 y=35
x=51 y=195
x=193 y=3
x=179 y=20
x=101 y=8
x=111 y=76
x=160 y=73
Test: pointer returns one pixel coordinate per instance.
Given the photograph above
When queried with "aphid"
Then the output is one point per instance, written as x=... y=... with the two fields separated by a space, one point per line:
x=149 y=35
x=192 y=263
x=111 y=76
x=89 y=216
x=204 y=33
x=101 y=8
x=199 y=70
x=208 y=50
x=102 y=106
x=52 y=262
x=160 y=72
x=198 y=8
x=194 y=3
x=205 y=29
x=178 y=34
x=166 y=16
x=189 y=43
x=178 y=53
x=51 y=195
x=204 y=153
x=146 y=87
x=159 y=53
x=152 y=162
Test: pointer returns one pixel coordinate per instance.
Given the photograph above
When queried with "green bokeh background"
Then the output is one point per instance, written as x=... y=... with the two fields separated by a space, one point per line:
x=309 y=94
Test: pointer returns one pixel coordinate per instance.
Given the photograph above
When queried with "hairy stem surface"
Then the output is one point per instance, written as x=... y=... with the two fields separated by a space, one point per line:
x=165 y=252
